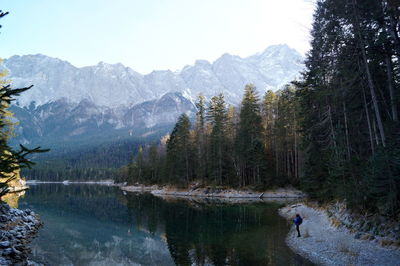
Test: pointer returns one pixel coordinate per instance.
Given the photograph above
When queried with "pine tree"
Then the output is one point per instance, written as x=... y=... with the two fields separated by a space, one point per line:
x=217 y=117
x=201 y=169
x=349 y=103
x=249 y=147
x=179 y=152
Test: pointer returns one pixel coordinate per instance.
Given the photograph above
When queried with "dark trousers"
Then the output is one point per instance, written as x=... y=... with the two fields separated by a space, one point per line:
x=298 y=230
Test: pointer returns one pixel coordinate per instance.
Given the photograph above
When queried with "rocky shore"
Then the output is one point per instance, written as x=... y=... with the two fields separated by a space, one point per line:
x=326 y=240
x=17 y=228
x=208 y=192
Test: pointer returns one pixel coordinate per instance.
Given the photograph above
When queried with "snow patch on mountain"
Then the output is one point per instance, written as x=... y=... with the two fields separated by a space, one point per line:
x=114 y=85
x=67 y=102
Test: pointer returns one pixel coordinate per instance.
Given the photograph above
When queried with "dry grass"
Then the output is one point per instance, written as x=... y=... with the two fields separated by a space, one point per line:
x=367 y=237
x=335 y=222
x=386 y=242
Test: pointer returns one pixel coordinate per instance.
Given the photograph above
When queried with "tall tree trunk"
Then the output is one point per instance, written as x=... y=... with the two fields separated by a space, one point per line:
x=393 y=102
x=332 y=130
x=296 y=159
x=346 y=130
x=376 y=133
x=296 y=162
x=369 y=76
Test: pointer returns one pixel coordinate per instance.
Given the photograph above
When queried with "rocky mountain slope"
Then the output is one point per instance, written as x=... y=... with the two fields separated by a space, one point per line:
x=67 y=102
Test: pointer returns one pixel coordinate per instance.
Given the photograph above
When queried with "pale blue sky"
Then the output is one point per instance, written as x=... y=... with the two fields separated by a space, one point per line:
x=151 y=34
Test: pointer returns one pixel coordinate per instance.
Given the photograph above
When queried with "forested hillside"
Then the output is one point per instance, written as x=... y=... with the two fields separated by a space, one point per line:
x=335 y=134
x=85 y=162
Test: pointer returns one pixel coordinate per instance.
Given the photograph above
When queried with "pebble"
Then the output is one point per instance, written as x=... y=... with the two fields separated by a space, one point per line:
x=4 y=244
x=14 y=240
x=7 y=252
x=3 y=218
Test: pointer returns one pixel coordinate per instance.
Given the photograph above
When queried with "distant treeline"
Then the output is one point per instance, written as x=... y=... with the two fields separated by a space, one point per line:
x=256 y=146
x=336 y=133
x=97 y=162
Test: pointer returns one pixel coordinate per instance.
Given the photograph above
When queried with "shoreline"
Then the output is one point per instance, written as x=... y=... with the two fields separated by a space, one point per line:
x=210 y=193
x=67 y=182
x=325 y=244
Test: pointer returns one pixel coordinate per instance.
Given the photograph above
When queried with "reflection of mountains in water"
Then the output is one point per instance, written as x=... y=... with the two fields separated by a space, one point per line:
x=100 y=202
x=90 y=225
x=97 y=225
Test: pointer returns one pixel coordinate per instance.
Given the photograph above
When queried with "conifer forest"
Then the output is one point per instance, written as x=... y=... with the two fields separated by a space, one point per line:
x=334 y=132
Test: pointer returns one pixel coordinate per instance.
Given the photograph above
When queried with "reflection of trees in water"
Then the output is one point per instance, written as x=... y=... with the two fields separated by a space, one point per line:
x=88 y=225
x=92 y=223
x=249 y=234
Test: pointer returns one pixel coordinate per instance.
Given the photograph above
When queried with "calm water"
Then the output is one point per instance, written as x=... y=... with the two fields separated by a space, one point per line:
x=99 y=225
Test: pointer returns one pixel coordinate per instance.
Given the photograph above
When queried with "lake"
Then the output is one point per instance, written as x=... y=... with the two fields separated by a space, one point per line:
x=101 y=225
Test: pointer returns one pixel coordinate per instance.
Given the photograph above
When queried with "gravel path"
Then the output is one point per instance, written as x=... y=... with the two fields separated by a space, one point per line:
x=324 y=244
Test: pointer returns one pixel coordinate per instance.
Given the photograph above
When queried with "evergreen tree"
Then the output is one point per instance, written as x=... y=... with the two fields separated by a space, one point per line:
x=349 y=104
x=249 y=138
x=179 y=152
x=201 y=170
x=217 y=117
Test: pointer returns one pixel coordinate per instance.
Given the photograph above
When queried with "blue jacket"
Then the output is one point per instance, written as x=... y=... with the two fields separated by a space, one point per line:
x=298 y=220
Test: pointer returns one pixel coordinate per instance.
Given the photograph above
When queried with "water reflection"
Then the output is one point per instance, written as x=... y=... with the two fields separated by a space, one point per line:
x=95 y=225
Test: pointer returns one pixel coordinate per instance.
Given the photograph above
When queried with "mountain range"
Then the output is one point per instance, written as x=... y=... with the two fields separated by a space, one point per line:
x=111 y=100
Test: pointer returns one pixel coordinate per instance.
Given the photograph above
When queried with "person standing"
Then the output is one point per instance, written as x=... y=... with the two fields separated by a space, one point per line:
x=297 y=221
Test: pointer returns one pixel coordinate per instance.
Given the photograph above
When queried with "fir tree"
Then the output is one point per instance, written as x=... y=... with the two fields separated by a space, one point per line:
x=179 y=152
x=249 y=146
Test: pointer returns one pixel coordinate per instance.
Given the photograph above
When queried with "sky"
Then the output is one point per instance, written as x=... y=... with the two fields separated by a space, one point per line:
x=151 y=35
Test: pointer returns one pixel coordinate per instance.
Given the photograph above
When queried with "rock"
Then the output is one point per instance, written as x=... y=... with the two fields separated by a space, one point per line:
x=3 y=218
x=358 y=235
x=3 y=261
x=4 y=208
x=20 y=247
x=15 y=252
x=4 y=244
x=17 y=228
x=7 y=252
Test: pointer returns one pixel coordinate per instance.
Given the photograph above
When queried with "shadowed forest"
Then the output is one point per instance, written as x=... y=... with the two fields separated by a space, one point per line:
x=335 y=133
